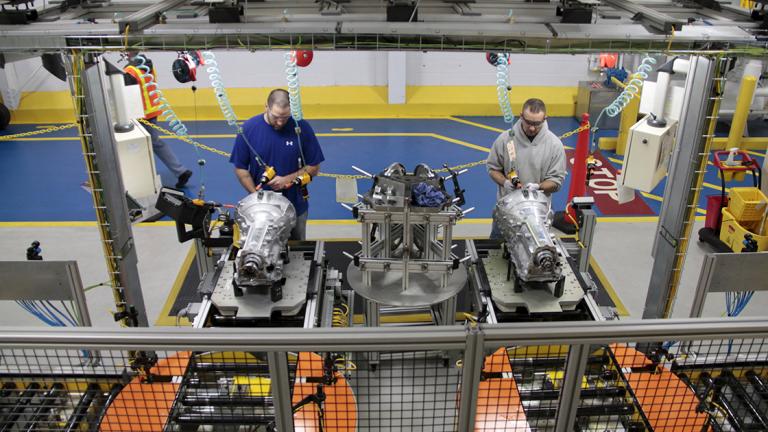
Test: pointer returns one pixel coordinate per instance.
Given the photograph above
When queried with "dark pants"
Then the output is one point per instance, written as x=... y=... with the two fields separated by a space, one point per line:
x=163 y=151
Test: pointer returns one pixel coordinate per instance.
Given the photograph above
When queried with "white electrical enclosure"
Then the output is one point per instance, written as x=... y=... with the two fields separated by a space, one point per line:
x=647 y=154
x=137 y=162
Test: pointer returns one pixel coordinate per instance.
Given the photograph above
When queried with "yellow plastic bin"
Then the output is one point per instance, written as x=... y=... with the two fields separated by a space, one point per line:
x=732 y=233
x=747 y=204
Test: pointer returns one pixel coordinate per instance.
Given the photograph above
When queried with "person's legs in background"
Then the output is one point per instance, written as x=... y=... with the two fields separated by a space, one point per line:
x=299 y=231
x=165 y=153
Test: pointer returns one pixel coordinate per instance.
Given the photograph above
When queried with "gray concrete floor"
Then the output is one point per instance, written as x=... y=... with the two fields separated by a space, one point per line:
x=621 y=249
x=160 y=257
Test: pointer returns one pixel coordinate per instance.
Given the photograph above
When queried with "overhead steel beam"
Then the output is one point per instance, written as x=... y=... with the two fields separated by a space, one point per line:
x=147 y=17
x=655 y=19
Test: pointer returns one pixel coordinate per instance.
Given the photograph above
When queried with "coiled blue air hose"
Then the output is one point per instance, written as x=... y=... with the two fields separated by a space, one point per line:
x=294 y=89
x=502 y=92
x=168 y=114
x=629 y=92
x=214 y=75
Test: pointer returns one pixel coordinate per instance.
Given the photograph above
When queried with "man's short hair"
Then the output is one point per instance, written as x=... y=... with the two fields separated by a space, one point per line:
x=535 y=106
x=278 y=97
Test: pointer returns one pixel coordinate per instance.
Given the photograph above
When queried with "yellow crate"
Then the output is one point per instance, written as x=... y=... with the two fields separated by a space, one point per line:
x=731 y=175
x=732 y=233
x=747 y=204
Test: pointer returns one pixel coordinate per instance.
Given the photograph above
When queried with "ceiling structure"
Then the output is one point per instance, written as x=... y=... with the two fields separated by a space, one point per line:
x=513 y=26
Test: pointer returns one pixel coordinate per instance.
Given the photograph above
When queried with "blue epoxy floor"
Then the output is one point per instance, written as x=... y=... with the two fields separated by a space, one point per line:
x=41 y=178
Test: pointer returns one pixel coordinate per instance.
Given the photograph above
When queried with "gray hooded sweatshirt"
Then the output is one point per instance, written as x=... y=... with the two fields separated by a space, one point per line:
x=542 y=159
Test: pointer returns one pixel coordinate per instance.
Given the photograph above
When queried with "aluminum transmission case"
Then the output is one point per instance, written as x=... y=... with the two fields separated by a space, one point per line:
x=265 y=219
x=524 y=218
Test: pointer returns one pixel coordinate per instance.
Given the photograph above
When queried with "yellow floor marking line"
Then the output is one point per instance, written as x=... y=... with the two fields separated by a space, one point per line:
x=461 y=143
x=47 y=224
x=715 y=187
x=165 y=319
x=70 y=224
x=620 y=308
x=618 y=161
x=342 y=129
x=652 y=196
x=634 y=219
x=471 y=123
x=332 y=222
x=47 y=139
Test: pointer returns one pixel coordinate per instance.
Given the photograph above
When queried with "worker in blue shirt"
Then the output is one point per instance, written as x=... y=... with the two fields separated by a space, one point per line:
x=272 y=135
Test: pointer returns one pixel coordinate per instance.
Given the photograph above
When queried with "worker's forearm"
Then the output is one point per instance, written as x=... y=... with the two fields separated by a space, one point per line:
x=312 y=170
x=497 y=177
x=245 y=179
x=548 y=186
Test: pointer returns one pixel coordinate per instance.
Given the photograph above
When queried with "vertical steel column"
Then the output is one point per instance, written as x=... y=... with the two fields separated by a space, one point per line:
x=448 y=312
x=97 y=130
x=702 y=288
x=586 y=235
x=281 y=390
x=470 y=378
x=681 y=193
x=570 y=391
x=372 y=313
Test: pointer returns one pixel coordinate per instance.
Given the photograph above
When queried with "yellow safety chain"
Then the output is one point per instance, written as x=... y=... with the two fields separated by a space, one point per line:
x=226 y=154
x=575 y=131
x=342 y=176
x=38 y=132
x=185 y=139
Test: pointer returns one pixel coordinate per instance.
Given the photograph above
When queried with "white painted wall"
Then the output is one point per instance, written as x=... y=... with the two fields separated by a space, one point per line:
x=456 y=68
x=353 y=68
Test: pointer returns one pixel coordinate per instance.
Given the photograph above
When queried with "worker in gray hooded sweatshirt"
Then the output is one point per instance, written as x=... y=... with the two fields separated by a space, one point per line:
x=527 y=156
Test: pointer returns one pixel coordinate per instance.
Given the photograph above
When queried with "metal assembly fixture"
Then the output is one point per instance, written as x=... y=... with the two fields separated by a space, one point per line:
x=402 y=261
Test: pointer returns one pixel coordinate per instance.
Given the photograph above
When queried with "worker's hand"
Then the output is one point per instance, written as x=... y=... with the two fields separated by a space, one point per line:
x=508 y=186
x=532 y=186
x=280 y=183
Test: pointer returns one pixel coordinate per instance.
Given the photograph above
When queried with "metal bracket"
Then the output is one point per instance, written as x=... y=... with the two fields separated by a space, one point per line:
x=666 y=235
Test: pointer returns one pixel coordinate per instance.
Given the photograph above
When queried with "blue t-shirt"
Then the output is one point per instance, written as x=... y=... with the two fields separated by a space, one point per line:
x=277 y=148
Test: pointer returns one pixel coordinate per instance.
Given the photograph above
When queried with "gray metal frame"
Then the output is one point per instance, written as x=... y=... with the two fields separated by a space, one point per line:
x=729 y=272
x=675 y=223
x=45 y=280
x=99 y=133
x=357 y=339
x=473 y=341
x=568 y=403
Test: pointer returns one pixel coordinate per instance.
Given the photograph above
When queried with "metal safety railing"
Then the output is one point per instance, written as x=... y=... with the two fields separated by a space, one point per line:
x=634 y=375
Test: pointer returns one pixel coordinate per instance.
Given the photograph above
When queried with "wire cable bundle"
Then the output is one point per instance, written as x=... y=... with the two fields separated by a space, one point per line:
x=341 y=315
x=46 y=312
x=502 y=88
x=736 y=302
